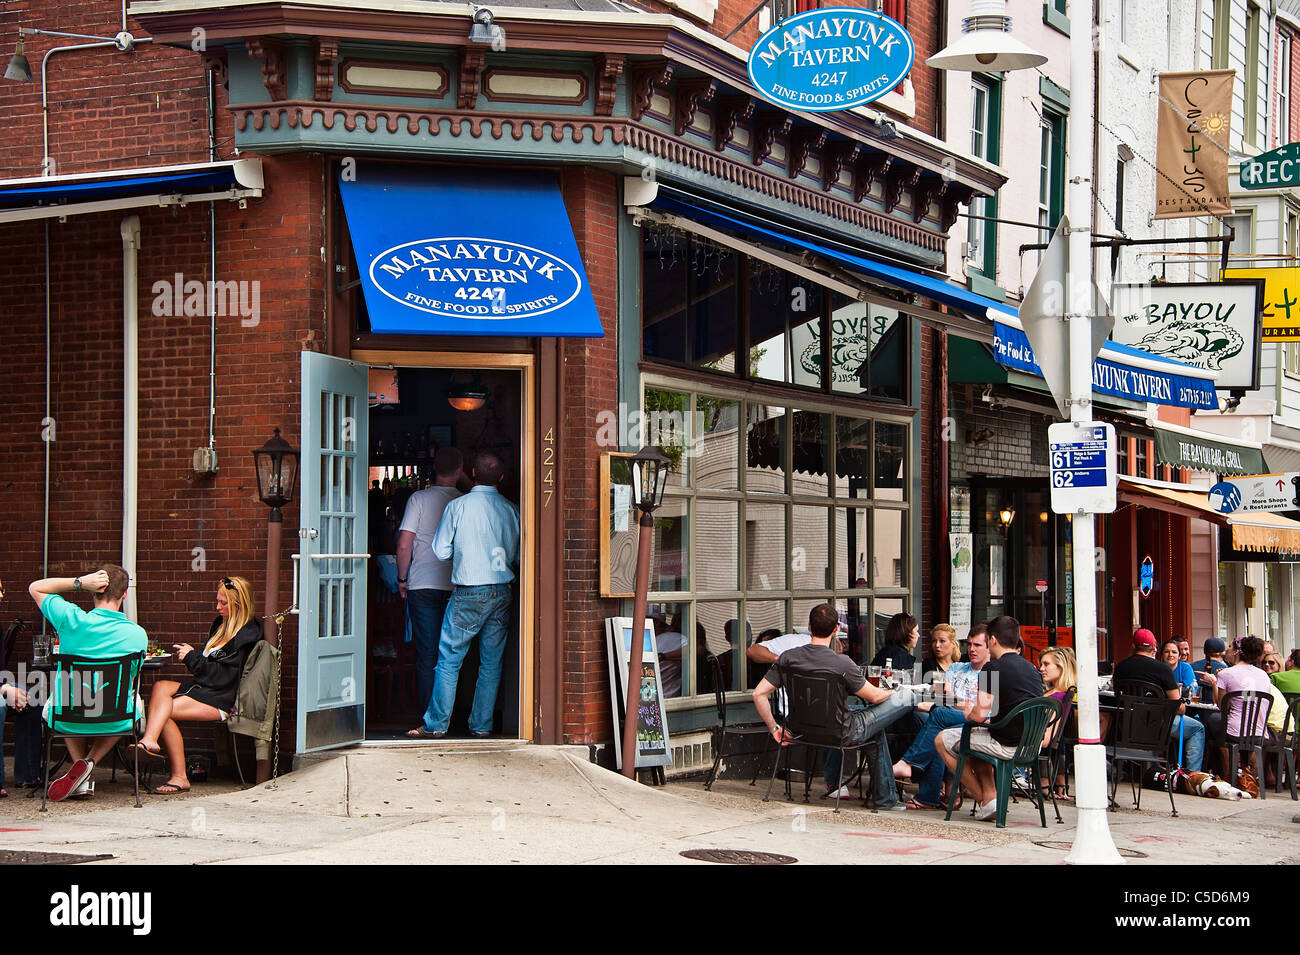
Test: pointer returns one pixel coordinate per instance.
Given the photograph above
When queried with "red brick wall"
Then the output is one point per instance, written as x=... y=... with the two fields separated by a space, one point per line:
x=590 y=383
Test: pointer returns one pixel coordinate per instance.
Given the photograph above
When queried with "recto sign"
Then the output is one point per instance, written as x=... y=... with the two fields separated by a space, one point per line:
x=1083 y=467
x=830 y=59
x=1211 y=325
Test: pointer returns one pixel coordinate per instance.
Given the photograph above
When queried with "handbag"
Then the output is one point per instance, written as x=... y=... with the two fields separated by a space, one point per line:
x=1247 y=781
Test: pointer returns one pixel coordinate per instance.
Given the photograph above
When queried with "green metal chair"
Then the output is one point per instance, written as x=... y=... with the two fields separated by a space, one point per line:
x=1038 y=714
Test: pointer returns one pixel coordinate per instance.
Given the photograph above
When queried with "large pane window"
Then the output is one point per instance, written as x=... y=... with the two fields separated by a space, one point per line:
x=717 y=310
x=804 y=506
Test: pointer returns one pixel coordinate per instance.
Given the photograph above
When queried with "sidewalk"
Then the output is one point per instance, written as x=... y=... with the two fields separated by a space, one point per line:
x=518 y=803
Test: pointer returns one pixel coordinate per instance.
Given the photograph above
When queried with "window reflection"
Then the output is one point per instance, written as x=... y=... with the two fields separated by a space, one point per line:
x=718 y=633
x=673 y=646
x=891 y=460
x=812 y=453
x=718 y=453
x=852 y=457
x=669 y=564
x=766 y=434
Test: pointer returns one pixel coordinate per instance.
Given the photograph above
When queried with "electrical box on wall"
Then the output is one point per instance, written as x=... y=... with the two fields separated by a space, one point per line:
x=1249 y=597
x=205 y=462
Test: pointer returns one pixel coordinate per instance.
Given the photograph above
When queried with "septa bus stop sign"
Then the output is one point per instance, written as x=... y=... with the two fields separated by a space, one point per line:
x=1083 y=467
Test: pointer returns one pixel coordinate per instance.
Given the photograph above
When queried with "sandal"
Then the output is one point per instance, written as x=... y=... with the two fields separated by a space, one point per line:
x=145 y=751
x=915 y=803
x=943 y=800
x=169 y=789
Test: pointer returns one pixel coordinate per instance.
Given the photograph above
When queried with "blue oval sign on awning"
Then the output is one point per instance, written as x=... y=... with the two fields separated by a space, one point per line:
x=831 y=59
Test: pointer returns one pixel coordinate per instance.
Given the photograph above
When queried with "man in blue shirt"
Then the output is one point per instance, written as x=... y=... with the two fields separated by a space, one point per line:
x=103 y=633
x=1212 y=664
x=479 y=534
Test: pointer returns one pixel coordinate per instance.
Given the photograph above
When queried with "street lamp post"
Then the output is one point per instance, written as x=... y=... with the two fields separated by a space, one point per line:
x=277 y=476
x=649 y=477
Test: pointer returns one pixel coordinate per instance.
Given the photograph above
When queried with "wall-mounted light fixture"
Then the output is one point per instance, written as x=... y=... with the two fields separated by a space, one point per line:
x=484 y=30
x=1005 y=516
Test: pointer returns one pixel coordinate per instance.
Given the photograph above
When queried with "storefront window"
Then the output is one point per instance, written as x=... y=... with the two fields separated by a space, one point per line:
x=698 y=299
x=738 y=542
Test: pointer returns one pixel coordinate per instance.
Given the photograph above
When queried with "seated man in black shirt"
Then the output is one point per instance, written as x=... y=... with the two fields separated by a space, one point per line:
x=1017 y=680
x=1144 y=666
x=821 y=657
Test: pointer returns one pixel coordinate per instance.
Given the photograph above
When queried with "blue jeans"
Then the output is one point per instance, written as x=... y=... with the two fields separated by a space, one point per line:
x=482 y=612
x=1193 y=742
x=924 y=757
x=426 y=607
x=864 y=723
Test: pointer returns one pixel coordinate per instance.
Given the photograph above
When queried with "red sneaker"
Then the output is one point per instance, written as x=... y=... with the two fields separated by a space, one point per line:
x=62 y=787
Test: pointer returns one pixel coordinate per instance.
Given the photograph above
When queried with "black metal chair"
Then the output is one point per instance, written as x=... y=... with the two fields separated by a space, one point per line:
x=721 y=732
x=89 y=695
x=1285 y=744
x=813 y=719
x=1253 y=706
x=1140 y=736
x=1036 y=716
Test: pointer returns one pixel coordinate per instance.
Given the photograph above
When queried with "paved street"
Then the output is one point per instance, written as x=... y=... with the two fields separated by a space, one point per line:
x=510 y=803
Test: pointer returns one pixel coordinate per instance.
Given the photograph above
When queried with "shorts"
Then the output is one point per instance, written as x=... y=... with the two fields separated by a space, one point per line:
x=980 y=742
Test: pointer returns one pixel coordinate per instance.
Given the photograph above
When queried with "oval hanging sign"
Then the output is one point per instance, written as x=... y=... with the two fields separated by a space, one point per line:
x=1147 y=576
x=830 y=59
x=470 y=277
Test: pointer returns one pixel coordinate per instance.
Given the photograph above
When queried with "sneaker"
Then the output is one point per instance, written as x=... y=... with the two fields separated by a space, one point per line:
x=986 y=811
x=62 y=787
x=84 y=791
x=841 y=793
x=895 y=807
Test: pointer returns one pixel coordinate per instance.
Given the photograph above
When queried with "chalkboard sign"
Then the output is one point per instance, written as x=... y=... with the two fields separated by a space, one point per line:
x=618 y=526
x=653 y=747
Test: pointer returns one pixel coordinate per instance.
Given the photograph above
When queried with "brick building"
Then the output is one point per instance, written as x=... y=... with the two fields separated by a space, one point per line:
x=270 y=150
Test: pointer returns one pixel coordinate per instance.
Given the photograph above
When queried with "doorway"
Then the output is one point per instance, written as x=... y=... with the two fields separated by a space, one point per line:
x=420 y=404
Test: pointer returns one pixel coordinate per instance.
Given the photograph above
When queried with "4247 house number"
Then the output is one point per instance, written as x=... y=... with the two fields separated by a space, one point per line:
x=829 y=79
x=548 y=467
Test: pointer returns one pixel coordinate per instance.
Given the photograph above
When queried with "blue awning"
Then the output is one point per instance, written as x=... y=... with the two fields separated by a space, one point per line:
x=1120 y=371
x=44 y=197
x=901 y=277
x=466 y=252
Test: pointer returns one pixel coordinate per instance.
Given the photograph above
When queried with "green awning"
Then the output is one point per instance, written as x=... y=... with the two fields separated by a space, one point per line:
x=1202 y=453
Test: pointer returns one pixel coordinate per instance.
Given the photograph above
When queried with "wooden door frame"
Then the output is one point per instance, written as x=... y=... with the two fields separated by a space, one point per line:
x=527 y=365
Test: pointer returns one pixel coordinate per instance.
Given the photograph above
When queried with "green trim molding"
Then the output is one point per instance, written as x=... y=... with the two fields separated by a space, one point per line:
x=1055 y=95
x=1056 y=19
x=981 y=286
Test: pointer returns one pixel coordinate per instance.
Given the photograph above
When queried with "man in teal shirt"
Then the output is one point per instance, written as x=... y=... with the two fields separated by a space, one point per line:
x=100 y=634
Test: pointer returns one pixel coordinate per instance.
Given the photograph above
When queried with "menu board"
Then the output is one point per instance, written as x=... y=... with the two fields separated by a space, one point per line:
x=652 y=744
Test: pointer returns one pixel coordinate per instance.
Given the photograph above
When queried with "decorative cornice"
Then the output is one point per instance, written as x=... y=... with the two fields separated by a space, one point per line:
x=958 y=195
x=216 y=62
x=634 y=35
x=744 y=176
x=690 y=94
x=739 y=175
x=802 y=144
x=609 y=67
x=834 y=160
x=930 y=189
x=867 y=171
x=270 y=53
x=767 y=128
x=644 y=79
x=897 y=180
x=327 y=54
x=471 y=75
x=730 y=111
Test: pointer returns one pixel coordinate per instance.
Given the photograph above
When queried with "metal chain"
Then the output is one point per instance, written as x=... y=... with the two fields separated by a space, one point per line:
x=1163 y=175
x=279 y=695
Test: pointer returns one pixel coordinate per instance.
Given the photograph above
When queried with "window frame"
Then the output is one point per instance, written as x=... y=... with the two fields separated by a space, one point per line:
x=986 y=263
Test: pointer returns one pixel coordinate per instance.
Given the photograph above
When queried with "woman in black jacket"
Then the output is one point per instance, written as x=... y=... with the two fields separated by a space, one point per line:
x=210 y=695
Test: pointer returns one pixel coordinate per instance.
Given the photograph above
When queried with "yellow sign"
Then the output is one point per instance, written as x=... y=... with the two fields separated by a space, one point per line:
x=1281 y=315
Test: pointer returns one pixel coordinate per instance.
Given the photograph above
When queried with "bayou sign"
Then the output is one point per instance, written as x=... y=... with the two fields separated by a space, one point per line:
x=1212 y=325
x=831 y=59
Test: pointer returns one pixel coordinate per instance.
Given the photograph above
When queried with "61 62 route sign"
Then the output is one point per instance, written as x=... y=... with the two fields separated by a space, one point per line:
x=831 y=59
x=1083 y=467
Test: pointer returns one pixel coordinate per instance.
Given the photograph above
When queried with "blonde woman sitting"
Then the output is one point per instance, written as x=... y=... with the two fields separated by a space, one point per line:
x=1058 y=669
x=211 y=694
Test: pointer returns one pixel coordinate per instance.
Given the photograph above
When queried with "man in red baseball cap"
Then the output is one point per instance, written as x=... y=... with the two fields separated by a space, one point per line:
x=1144 y=666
